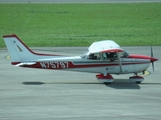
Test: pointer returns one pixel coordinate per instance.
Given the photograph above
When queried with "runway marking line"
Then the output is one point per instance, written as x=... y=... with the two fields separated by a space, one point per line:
x=8 y=57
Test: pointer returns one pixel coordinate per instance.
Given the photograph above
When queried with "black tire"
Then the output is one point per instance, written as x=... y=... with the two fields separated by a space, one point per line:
x=107 y=83
x=138 y=82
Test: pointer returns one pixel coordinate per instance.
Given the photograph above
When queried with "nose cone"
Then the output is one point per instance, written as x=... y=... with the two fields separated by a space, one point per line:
x=153 y=59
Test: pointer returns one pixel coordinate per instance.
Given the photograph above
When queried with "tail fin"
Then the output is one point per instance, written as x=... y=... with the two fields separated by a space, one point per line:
x=19 y=52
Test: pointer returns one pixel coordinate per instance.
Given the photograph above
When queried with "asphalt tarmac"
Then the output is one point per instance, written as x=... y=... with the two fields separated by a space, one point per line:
x=62 y=95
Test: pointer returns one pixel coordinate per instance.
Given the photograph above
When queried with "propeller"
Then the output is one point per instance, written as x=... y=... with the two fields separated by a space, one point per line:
x=151 y=58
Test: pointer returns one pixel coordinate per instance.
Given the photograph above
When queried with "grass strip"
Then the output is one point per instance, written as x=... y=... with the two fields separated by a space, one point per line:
x=129 y=24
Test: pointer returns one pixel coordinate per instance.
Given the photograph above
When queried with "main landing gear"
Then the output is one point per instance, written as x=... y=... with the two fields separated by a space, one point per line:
x=137 y=79
x=108 y=79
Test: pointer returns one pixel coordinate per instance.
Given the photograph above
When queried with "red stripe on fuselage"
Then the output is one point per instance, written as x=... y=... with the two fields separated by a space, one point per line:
x=70 y=65
x=137 y=56
x=112 y=50
x=15 y=63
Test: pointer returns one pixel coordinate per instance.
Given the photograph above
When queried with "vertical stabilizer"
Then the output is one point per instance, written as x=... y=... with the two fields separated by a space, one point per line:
x=19 y=52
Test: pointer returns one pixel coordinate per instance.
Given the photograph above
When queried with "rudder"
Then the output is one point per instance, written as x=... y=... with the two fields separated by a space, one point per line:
x=19 y=52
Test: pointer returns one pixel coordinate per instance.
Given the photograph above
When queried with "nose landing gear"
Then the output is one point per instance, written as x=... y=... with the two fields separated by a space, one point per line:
x=137 y=79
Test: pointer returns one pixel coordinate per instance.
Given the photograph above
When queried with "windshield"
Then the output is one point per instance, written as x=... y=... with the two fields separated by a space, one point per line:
x=84 y=55
x=125 y=54
x=97 y=56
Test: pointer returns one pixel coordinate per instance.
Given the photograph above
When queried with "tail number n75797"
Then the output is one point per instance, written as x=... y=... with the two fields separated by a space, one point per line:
x=54 y=65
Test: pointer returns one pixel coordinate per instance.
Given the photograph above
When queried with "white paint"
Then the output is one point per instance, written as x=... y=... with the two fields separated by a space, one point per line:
x=20 y=53
x=103 y=45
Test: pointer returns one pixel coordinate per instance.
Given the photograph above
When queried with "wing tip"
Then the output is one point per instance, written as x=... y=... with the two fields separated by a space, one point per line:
x=112 y=50
x=11 y=35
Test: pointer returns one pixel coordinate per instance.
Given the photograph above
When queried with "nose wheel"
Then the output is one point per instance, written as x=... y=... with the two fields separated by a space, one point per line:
x=137 y=79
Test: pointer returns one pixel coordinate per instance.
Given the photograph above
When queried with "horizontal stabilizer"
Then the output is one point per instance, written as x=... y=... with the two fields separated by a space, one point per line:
x=26 y=63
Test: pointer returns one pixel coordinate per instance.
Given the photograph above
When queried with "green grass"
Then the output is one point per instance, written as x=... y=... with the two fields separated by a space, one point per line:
x=129 y=24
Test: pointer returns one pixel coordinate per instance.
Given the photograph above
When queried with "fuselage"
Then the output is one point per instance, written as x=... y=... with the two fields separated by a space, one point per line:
x=130 y=64
x=104 y=57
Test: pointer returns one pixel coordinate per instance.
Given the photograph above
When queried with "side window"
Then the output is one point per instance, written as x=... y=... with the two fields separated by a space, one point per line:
x=104 y=56
x=95 y=56
x=109 y=56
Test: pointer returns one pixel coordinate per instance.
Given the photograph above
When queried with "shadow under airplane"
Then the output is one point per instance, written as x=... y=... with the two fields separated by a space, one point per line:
x=117 y=84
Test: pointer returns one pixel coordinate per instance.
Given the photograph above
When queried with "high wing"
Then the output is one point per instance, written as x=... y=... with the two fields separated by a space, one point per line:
x=104 y=46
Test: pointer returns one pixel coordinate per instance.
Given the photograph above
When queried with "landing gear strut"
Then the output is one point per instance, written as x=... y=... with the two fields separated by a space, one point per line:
x=108 y=79
x=137 y=79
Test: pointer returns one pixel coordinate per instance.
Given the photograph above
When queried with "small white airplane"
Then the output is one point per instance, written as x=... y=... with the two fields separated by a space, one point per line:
x=103 y=57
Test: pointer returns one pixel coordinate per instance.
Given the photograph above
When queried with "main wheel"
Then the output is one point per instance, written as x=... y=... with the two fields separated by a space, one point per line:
x=107 y=83
x=138 y=82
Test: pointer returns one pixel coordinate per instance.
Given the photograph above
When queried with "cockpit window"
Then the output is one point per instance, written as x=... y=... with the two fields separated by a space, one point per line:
x=109 y=55
x=95 y=56
x=113 y=55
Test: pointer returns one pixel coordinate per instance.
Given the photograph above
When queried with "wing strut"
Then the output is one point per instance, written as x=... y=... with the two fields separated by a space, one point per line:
x=120 y=63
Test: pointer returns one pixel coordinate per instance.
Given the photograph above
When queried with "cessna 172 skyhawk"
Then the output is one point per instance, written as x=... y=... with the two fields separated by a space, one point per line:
x=103 y=57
